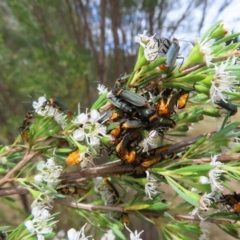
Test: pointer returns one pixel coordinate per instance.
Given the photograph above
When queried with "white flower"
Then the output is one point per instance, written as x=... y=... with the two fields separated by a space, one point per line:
x=101 y=89
x=87 y=158
x=215 y=173
x=41 y=224
x=43 y=111
x=204 y=204
x=77 y=235
x=60 y=235
x=151 y=185
x=44 y=199
x=151 y=141
x=193 y=189
x=140 y=38
x=206 y=200
x=3 y=160
x=204 y=180
x=38 y=105
x=222 y=82
x=205 y=49
x=60 y=118
x=81 y=119
x=79 y=134
x=49 y=172
x=108 y=235
x=135 y=235
x=90 y=129
x=214 y=161
x=204 y=227
x=40 y=212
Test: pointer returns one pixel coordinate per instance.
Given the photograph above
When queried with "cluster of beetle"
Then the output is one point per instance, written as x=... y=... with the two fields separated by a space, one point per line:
x=134 y=113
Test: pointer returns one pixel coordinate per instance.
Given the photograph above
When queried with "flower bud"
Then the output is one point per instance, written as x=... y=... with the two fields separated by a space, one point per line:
x=212 y=112
x=200 y=88
x=221 y=31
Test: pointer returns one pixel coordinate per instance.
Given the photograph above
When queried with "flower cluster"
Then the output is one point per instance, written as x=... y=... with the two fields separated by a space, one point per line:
x=87 y=136
x=42 y=222
x=89 y=128
x=49 y=172
x=151 y=185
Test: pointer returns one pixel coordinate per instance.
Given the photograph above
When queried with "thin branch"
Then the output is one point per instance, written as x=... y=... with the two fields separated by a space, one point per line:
x=203 y=15
x=73 y=23
x=88 y=31
x=27 y=157
x=184 y=15
x=222 y=158
x=11 y=150
x=13 y=190
x=102 y=39
x=146 y=213
x=114 y=13
x=89 y=207
x=161 y=9
x=196 y=219
x=215 y=60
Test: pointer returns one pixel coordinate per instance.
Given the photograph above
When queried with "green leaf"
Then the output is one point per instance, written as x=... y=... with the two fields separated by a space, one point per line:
x=158 y=206
x=101 y=101
x=153 y=65
x=189 y=170
x=188 y=196
x=230 y=229
x=195 y=145
x=118 y=233
x=190 y=79
x=137 y=206
x=225 y=39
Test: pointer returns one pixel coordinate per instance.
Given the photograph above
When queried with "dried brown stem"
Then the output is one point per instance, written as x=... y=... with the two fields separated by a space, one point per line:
x=222 y=158
x=196 y=219
x=89 y=207
x=13 y=190
x=146 y=213
x=215 y=60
